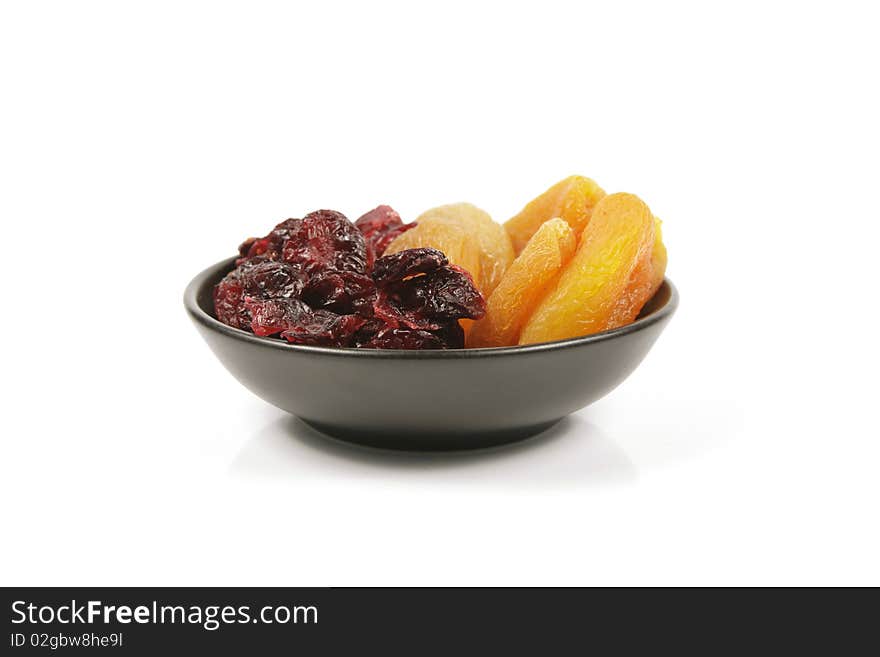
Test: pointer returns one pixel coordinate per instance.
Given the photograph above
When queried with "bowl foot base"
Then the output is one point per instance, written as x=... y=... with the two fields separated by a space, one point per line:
x=421 y=442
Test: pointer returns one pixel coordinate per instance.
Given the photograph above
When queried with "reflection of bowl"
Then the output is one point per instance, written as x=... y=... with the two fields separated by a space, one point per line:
x=429 y=400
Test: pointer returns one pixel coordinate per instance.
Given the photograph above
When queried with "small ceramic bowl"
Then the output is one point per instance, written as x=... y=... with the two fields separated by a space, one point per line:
x=429 y=400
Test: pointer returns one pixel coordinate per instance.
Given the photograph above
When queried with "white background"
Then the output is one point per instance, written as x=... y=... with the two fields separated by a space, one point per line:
x=140 y=142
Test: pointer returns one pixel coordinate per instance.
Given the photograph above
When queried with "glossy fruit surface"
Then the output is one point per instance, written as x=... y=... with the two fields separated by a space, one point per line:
x=469 y=238
x=571 y=199
x=419 y=290
x=318 y=281
x=524 y=285
x=380 y=226
x=643 y=283
x=606 y=281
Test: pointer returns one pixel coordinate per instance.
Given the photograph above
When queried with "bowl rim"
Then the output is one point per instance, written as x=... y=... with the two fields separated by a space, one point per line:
x=190 y=302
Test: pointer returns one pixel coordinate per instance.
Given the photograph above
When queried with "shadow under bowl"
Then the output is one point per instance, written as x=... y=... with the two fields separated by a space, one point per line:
x=429 y=400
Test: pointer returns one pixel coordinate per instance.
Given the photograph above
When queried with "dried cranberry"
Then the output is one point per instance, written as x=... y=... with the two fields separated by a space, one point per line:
x=396 y=267
x=396 y=338
x=269 y=278
x=369 y=330
x=342 y=292
x=325 y=329
x=258 y=278
x=429 y=300
x=313 y=281
x=447 y=293
x=229 y=302
x=298 y=323
x=326 y=240
x=380 y=226
x=244 y=249
x=271 y=316
x=451 y=335
x=270 y=246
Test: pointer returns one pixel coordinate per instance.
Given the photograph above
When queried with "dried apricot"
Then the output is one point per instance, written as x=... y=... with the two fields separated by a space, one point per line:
x=612 y=263
x=643 y=283
x=496 y=249
x=659 y=257
x=472 y=240
x=572 y=199
x=524 y=284
x=446 y=232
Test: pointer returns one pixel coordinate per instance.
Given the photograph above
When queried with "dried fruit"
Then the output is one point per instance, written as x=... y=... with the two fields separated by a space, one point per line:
x=451 y=335
x=306 y=280
x=397 y=338
x=524 y=285
x=259 y=278
x=300 y=324
x=659 y=258
x=496 y=249
x=229 y=303
x=380 y=226
x=571 y=199
x=269 y=246
x=405 y=264
x=609 y=265
x=326 y=240
x=267 y=278
x=445 y=293
x=643 y=283
x=376 y=334
x=493 y=242
x=587 y=262
x=446 y=232
x=342 y=292
x=418 y=290
x=469 y=238
x=313 y=281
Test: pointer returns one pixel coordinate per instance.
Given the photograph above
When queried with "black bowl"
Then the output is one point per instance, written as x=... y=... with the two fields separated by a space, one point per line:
x=429 y=400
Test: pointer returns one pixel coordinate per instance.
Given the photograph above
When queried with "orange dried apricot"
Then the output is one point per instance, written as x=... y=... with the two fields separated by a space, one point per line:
x=445 y=232
x=571 y=199
x=469 y=238
x=659 y=258
x=496 y=249
x=643 y=283
x=607 y=281
x=523 y=285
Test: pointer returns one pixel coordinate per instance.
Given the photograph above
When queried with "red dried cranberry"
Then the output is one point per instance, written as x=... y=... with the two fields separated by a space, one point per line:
x=451 y=335
x=269 y=246
x=271 y=316
x=396 y=267
x=396 y=338
x=429 y=300
x=309 y=281
x=258 y=278
x=326 y=240
x=298 y=323
x=341 y=292
x=369 y=330
x=325 y=329
x=265 y=279
x=244 y=249
x=380 y=226
x=229 y=302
